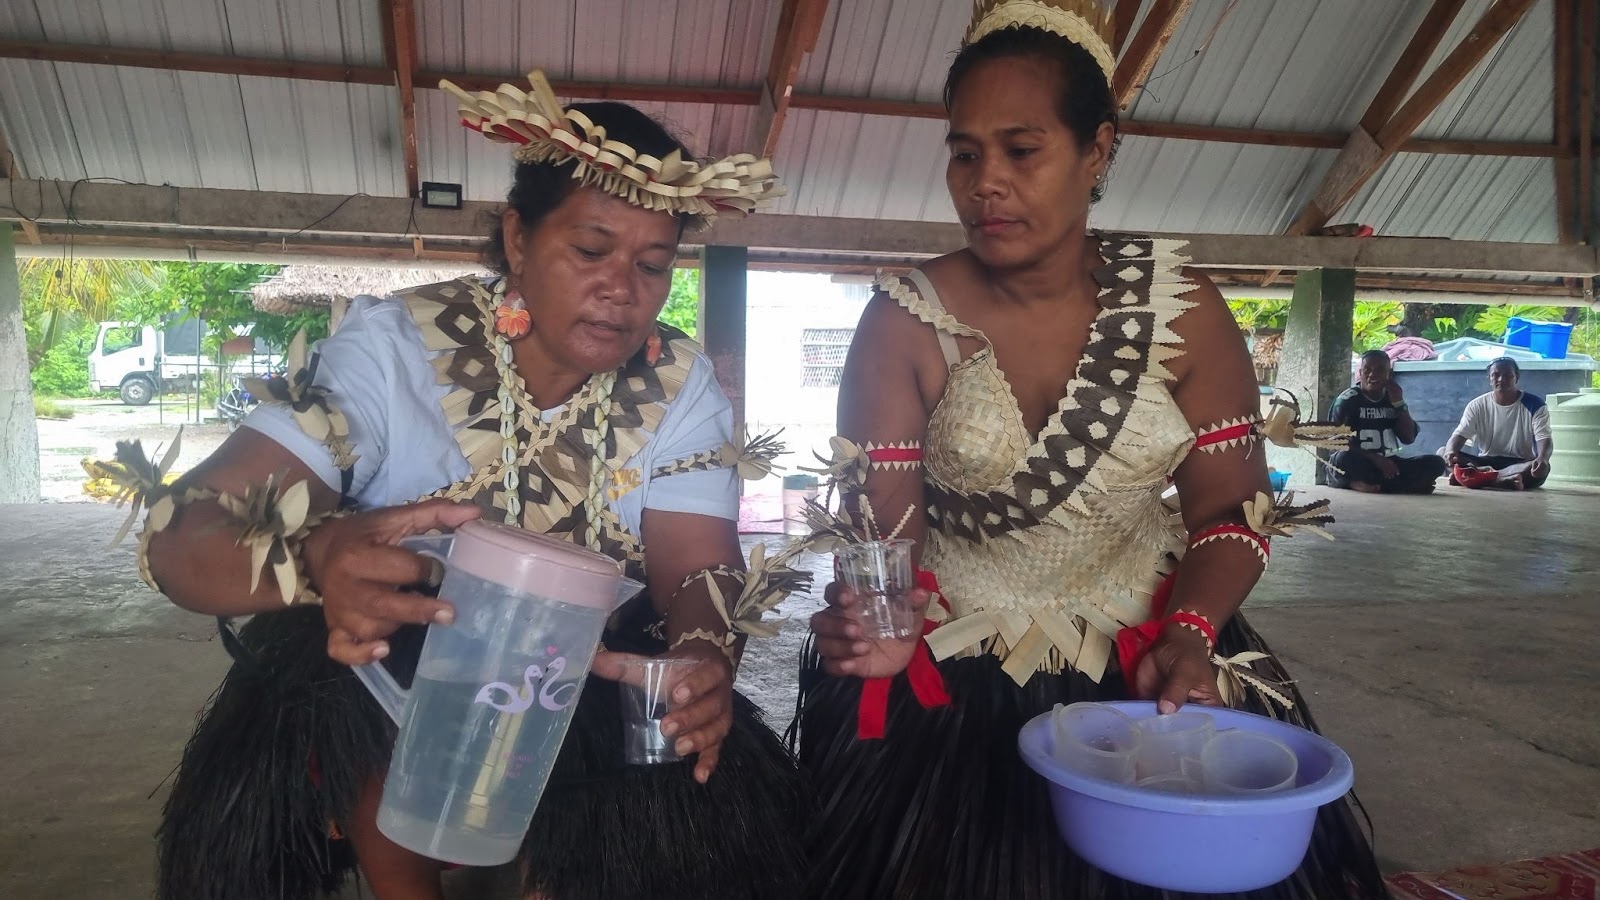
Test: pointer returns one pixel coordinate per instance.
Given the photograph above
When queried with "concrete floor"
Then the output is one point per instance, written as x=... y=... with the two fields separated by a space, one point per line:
x=1447 y=642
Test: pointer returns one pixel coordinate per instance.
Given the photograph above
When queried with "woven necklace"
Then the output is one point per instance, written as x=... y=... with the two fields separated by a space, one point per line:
x=592 y=403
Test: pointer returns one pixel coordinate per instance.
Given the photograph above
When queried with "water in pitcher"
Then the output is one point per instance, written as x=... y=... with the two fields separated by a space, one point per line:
x=463 y=789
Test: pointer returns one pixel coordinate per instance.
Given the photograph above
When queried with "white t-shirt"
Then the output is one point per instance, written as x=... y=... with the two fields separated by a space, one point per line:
x=380 y=375
x=1518 y=429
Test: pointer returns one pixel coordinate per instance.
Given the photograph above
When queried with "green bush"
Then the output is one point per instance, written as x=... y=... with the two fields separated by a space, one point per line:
x=62 y=372
x=46 y=408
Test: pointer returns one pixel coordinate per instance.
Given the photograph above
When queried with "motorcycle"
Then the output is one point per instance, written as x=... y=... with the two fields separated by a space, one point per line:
x=236 y=404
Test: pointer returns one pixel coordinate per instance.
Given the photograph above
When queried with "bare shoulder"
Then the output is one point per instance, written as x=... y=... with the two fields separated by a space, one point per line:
x=1211 y=336
x=1209 y=318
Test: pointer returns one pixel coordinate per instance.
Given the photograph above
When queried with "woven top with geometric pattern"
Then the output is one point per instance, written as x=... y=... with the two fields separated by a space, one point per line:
x=553 y=456
x=1045 y=546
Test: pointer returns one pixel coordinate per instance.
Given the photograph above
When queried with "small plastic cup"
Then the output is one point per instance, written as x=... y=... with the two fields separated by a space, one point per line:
x=878 y=573
x=1096 y=740
x=1166 y=741
x=1243 y=762
x=1172 y=784
x=645 y=693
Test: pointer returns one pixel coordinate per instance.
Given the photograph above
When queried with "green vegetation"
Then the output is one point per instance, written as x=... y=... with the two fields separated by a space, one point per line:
x=47 y=408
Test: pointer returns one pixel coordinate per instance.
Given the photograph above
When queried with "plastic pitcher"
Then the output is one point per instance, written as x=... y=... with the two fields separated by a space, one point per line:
x=494 y=692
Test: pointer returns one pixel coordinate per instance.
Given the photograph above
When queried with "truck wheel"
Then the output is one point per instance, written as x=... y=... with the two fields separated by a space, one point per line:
x=137 y=391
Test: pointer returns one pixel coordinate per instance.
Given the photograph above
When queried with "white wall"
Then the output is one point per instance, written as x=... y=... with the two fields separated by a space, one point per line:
x=781 y=306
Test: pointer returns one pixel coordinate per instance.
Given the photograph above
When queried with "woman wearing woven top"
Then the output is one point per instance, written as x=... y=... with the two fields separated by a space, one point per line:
x=545 y=396
x=1052 y=381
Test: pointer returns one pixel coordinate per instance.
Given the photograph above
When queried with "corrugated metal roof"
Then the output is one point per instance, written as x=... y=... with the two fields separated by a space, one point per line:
x=201 y=130
x=329 y=31
x=692 y=42
x=1302 y=66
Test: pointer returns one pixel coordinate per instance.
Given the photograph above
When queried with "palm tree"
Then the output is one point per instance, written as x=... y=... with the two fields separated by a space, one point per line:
x=62 y=291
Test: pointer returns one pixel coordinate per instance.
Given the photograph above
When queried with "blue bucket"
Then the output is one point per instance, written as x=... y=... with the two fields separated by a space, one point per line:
x=1549 y=339
x=1208 y=844
x=1280 y=480
x=1519 y=333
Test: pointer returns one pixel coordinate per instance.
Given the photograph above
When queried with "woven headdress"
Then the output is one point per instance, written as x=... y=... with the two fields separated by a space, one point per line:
x=1086 y=23
x=547 y=132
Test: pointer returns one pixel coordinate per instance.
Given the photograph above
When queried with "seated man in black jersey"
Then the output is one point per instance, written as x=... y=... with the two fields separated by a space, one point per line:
x=1376 y=409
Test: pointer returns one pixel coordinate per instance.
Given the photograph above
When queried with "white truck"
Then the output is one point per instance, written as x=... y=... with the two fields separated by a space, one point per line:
x=138 y=360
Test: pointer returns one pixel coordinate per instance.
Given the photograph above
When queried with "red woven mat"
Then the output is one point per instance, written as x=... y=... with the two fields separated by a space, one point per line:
x=1570 y=876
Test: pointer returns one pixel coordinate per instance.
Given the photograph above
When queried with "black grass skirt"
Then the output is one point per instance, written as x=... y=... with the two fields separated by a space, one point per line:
x=267 y=782
x=943 y=808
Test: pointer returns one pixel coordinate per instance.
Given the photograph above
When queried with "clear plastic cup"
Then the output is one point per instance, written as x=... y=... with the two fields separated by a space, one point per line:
x=1243 y=762
x=1096 y=740
x=646 y=693
x=1172 y=784
x=879 y=574
x=1166 y=741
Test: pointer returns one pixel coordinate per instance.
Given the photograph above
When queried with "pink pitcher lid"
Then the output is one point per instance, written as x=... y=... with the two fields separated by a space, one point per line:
x=536 y=564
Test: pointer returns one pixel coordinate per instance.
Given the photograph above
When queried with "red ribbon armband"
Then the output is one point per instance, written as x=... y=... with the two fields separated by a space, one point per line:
x=1135 y=641
x=902 y=455
x=1234 y=532
x=927 y=685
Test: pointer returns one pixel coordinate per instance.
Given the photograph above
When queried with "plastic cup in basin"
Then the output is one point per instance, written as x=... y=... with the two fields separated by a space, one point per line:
x=1096 y=740
x=1172 y=784
x=1244 y=762
x=1166 y=741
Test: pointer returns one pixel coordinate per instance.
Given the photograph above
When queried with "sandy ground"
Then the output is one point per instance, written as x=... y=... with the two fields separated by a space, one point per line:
x=95 y=428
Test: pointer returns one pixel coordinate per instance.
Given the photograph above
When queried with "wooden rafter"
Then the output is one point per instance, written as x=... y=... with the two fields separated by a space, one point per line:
x=1566 y=109
x=1122 y=24
x=1587 y=28
x=11 y=168
x=1430 y=31
x=1366 y=151
x=1142 y=53
x=730 y=96
x=799 y=24
x=402 y=16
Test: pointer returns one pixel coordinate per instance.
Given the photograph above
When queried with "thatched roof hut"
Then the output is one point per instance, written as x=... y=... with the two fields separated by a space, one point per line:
x=331 y=287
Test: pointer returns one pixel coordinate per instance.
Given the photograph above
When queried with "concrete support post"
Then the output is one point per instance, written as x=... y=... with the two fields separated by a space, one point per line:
x=723 y=279
x=1316 y=350
x=19 y=434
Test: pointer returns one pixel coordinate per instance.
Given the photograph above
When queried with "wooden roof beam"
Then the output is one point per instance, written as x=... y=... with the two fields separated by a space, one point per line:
x=1122 y=24
x=1587 y=35
x=799 y=24
x=1145 y=49
x=180 y=214
x=1566 y=108
x=1367 y=151
x=1430 y=31
x=402 y=18
x=11 y=168
x=731 y=96
x=175 y=61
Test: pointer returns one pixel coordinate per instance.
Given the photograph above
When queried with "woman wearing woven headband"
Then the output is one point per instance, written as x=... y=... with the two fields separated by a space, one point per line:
x=1018 y=407
x=547 y=397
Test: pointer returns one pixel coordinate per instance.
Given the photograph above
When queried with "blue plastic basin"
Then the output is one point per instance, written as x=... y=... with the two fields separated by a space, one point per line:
x=1203 y=843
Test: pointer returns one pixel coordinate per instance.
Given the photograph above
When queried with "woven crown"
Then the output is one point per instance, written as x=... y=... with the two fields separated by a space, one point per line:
x=547 y=132
x=1087 y=23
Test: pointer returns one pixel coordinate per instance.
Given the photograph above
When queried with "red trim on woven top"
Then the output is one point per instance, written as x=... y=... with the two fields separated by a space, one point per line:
x=895 y=454
x=1223 y=435
x=927 y=685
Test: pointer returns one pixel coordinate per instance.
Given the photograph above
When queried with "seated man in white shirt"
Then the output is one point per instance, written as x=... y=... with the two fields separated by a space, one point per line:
x=1510 y=430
